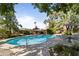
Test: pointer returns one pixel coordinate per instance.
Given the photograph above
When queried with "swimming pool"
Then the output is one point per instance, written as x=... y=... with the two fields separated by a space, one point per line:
x=30 y=40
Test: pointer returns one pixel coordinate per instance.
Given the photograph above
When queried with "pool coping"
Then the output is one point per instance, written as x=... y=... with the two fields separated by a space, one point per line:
x=12 y=38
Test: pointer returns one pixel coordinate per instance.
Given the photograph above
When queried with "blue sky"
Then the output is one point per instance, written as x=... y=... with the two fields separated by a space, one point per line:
x=27 y=15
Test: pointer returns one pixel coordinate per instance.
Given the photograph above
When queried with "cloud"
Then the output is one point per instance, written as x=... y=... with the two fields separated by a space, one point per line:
x=28 y=22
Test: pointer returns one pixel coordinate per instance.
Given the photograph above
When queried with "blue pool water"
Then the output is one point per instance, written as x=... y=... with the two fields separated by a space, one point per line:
x=29 y=40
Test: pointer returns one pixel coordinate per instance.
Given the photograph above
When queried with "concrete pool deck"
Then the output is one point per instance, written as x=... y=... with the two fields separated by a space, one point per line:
x=32 y=50
x=43 y=48
x=40 y=49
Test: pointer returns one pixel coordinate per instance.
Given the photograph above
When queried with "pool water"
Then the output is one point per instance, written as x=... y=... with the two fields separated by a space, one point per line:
x=30 y=40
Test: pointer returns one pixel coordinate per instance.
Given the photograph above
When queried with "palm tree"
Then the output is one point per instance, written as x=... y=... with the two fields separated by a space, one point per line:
x=35 y=23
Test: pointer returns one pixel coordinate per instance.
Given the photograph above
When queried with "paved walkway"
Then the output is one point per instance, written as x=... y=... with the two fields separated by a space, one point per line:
x=40 y=49
x=36 y=52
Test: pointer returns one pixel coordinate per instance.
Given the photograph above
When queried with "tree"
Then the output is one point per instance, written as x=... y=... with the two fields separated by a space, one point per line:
x=70 y=11
x=50 y=7
x=9 y=19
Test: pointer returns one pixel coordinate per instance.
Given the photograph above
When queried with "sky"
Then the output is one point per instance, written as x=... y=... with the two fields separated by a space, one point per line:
x=26 y=15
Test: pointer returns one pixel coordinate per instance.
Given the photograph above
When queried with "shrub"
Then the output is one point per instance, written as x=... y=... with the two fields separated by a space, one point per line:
x=63 y=50
x=68 y=33
x=41 y=32
x=3 y=33
x=75 y=30
x=26 y=32
x=51 y=31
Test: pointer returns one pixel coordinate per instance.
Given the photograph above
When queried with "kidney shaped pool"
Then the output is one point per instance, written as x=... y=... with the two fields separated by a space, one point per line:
x=29 y=40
